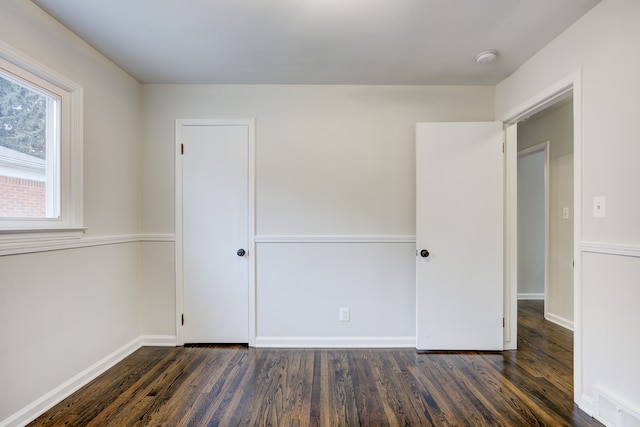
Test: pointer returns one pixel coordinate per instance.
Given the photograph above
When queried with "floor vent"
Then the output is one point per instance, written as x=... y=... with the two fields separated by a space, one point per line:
x=612 y=411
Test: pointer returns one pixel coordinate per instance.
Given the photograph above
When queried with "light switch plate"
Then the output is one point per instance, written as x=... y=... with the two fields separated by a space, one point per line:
x=599 y=207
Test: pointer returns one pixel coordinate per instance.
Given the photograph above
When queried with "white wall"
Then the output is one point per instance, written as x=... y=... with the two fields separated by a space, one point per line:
x=157 y=285
x=65 y=310
x=331 y=161
x=531 y=225
x=604 y=45
x=556 y=126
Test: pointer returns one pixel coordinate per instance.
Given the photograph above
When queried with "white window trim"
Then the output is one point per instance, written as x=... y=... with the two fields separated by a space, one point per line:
x=52 y=203
x=29 y=233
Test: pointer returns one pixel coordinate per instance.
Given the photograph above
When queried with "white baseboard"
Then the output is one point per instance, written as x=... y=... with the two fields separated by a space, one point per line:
x=64 y=390
x=530 y=296
x=586 y=404
x=159 y=340
x=336 y=342
x=565 y=323
x=613 y=411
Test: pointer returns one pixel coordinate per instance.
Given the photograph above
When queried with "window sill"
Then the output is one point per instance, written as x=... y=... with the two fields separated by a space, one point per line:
x=24 y=240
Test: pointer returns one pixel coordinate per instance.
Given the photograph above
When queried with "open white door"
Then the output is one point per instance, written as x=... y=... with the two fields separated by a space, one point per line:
x=459 y=223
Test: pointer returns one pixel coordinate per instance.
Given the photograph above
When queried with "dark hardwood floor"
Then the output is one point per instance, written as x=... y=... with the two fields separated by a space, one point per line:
x=240 y=386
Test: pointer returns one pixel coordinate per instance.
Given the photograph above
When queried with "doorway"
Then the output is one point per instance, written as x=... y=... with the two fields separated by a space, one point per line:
x=545 y=173
x=561 y=90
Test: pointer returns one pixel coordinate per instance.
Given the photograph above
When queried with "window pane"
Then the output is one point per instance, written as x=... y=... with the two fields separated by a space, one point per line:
x=28 y=189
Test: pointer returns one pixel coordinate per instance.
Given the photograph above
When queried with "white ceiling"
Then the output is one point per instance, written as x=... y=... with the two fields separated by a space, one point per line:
x=317 y=41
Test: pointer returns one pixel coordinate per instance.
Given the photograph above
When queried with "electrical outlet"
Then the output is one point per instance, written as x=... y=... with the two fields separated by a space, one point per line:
x=344 y=314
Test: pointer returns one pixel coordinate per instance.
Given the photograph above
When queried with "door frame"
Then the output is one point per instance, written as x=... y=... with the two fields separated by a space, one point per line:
x=179 y=246
x=543 y=147
x=557 y=91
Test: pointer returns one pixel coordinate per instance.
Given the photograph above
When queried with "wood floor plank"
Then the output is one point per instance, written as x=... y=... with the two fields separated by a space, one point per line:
x=240 y=386
x=226 y=391
x=202 y=385
x=394 y=390
x=337 y=398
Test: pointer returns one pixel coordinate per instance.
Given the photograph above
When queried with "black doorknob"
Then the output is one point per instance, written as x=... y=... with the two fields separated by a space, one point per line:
x=424 y=253
x=241 y=252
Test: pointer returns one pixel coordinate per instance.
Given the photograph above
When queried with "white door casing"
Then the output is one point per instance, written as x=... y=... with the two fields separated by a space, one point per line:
x=459 y=220
x=214 y=219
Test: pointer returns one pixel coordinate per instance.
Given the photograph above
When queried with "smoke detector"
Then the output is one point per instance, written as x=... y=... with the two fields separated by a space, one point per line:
x=486 y=57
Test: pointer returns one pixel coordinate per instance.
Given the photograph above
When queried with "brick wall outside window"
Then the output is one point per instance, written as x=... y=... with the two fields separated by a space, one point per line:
x=21 y=198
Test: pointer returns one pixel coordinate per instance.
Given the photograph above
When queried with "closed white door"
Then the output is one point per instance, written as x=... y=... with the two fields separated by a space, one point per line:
x=215 y=194
x=459 y=236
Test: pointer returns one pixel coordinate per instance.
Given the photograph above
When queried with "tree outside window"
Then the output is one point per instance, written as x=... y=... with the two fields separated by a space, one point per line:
x=27 y=151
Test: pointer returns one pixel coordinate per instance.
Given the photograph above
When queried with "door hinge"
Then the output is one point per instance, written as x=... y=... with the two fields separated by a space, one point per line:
x=181 y=148
x=182 y=319
x=503 y=147
x=503 y=322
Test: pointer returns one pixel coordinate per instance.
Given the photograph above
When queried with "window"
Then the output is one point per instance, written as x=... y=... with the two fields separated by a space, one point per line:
x=29 y=150
x=40 y=149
